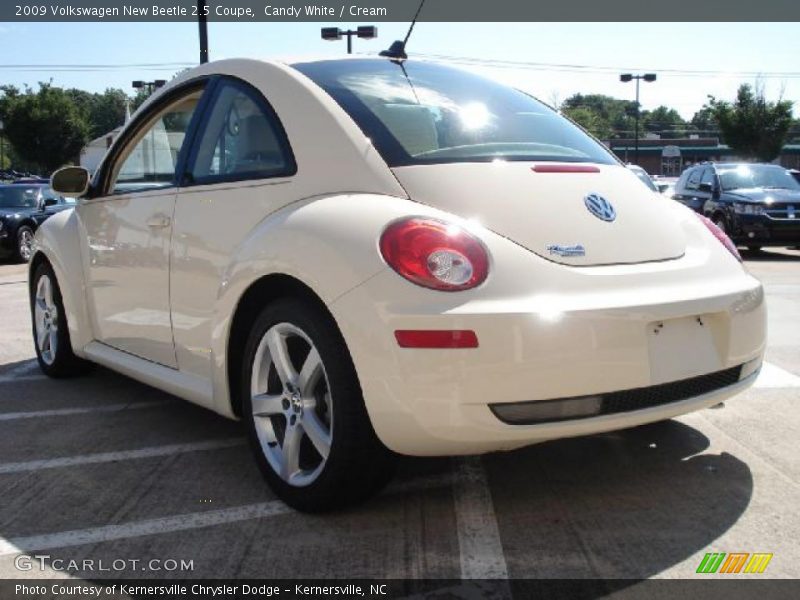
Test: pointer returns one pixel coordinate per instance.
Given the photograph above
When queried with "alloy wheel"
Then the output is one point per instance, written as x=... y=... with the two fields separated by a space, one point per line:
x=46 y=320
x=25 y=244
x=291 y=404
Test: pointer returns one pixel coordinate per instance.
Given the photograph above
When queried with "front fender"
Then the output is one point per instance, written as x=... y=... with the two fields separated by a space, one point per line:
x=58 y=239
x=329 y=243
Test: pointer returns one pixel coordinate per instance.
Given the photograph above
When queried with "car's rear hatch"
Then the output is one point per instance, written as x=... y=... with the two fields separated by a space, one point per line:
x=542 y=206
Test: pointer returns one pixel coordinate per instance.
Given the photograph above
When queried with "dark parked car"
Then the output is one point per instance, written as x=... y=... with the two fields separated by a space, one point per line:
x=23 y=207
x=755 y=204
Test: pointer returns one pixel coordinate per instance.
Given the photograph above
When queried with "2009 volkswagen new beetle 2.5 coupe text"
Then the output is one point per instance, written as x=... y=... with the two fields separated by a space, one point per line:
x=362 y=257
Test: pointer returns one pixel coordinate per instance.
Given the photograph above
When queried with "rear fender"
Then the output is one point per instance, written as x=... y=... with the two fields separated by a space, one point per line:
x=329 y=243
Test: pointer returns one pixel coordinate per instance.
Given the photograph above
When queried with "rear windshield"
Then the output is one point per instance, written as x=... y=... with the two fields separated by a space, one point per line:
x=421 y=113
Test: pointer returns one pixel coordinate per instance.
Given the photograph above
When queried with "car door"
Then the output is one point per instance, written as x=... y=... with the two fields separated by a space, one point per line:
x=128 y=226
x=689 y=193
x=239 y=171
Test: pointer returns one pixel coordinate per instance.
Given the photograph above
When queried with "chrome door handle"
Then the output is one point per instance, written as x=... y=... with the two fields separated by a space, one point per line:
x=158 y=222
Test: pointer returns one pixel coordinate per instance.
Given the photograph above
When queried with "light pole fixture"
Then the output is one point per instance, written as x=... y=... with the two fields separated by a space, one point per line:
x=625 y=78
x=149 y=86
x=365 y=32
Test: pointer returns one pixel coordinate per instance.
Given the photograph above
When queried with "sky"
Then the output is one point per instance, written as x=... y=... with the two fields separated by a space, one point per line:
x=562 y=58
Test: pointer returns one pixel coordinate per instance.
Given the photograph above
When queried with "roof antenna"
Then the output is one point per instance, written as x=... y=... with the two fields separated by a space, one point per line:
x=397 y=51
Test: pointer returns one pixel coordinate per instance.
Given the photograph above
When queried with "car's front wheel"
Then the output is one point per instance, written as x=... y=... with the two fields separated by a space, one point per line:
x=24 y=243
x=304 y=411
x=50 y=331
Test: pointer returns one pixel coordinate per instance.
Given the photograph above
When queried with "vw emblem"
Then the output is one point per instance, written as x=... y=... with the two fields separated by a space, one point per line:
x=600 y=207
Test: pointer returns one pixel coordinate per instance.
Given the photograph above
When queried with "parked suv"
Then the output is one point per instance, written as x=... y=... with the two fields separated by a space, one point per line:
x=755 y=204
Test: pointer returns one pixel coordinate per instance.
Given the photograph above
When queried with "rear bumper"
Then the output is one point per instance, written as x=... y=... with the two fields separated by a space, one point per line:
x=439 y=402
x=765 y=231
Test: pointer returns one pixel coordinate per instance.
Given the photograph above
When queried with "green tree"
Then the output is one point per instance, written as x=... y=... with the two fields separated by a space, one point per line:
x=612 y=113
x=704 y=121
x=751 y=125
x=665 y=121
x=103 y=112
x=590 y=121
x=45 y=127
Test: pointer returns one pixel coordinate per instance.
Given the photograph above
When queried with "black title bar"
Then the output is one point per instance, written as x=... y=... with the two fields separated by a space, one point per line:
x=372 y=11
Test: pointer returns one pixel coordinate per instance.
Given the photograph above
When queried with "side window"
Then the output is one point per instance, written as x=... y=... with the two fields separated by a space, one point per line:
x=241 y=139
x=149 y=160
x=694 y=179
x=708 y=176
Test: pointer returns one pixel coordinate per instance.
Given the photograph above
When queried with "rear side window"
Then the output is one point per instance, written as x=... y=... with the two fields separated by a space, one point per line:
x=708 y=176
x=241 y=138
x=694 y=179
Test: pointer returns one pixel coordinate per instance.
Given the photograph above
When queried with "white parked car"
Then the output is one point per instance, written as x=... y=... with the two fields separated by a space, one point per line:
x=362 y=257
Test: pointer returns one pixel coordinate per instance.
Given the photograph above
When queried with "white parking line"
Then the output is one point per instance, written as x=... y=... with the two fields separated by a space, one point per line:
x=108 y=533
x=184 y=522
x=24 y=378
x=478 y=535
x=79 y=410
x=102 y=457
x=772 y=376
x=21 y=369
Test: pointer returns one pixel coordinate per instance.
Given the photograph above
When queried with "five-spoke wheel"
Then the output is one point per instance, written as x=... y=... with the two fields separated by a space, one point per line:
x=291 y=404
x=45 y=319
x=50 y=330
x=305 y=415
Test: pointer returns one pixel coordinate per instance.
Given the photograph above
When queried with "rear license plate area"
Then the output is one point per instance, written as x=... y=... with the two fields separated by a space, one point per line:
x=682 y=348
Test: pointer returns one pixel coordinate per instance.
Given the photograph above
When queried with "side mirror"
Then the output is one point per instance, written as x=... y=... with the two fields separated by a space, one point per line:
x=50 y=202
x=71 y=181
x=706 y=187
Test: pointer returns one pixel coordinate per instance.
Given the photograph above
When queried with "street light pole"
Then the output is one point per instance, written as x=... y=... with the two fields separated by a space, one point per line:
x=625 y=78
x=202 y=23
x=636 y=127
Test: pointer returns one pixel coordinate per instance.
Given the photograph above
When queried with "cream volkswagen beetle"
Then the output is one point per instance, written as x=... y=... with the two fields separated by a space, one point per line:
x=365 y=257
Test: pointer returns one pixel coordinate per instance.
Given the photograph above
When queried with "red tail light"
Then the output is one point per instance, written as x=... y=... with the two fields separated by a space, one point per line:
x=435 y=254
x=721 y=236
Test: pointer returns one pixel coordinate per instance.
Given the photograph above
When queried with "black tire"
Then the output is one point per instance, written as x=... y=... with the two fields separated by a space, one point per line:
x=357 y=464
x=58 y=361
x=22 y=248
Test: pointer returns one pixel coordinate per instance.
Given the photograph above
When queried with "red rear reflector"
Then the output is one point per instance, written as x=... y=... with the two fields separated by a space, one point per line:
x=442 y=338
x=565 y=169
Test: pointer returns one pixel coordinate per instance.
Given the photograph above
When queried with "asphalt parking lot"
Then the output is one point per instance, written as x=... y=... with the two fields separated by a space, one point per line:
x=106 y=469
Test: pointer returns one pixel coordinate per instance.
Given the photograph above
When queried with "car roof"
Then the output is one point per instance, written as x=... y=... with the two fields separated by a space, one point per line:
x=733 y=165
